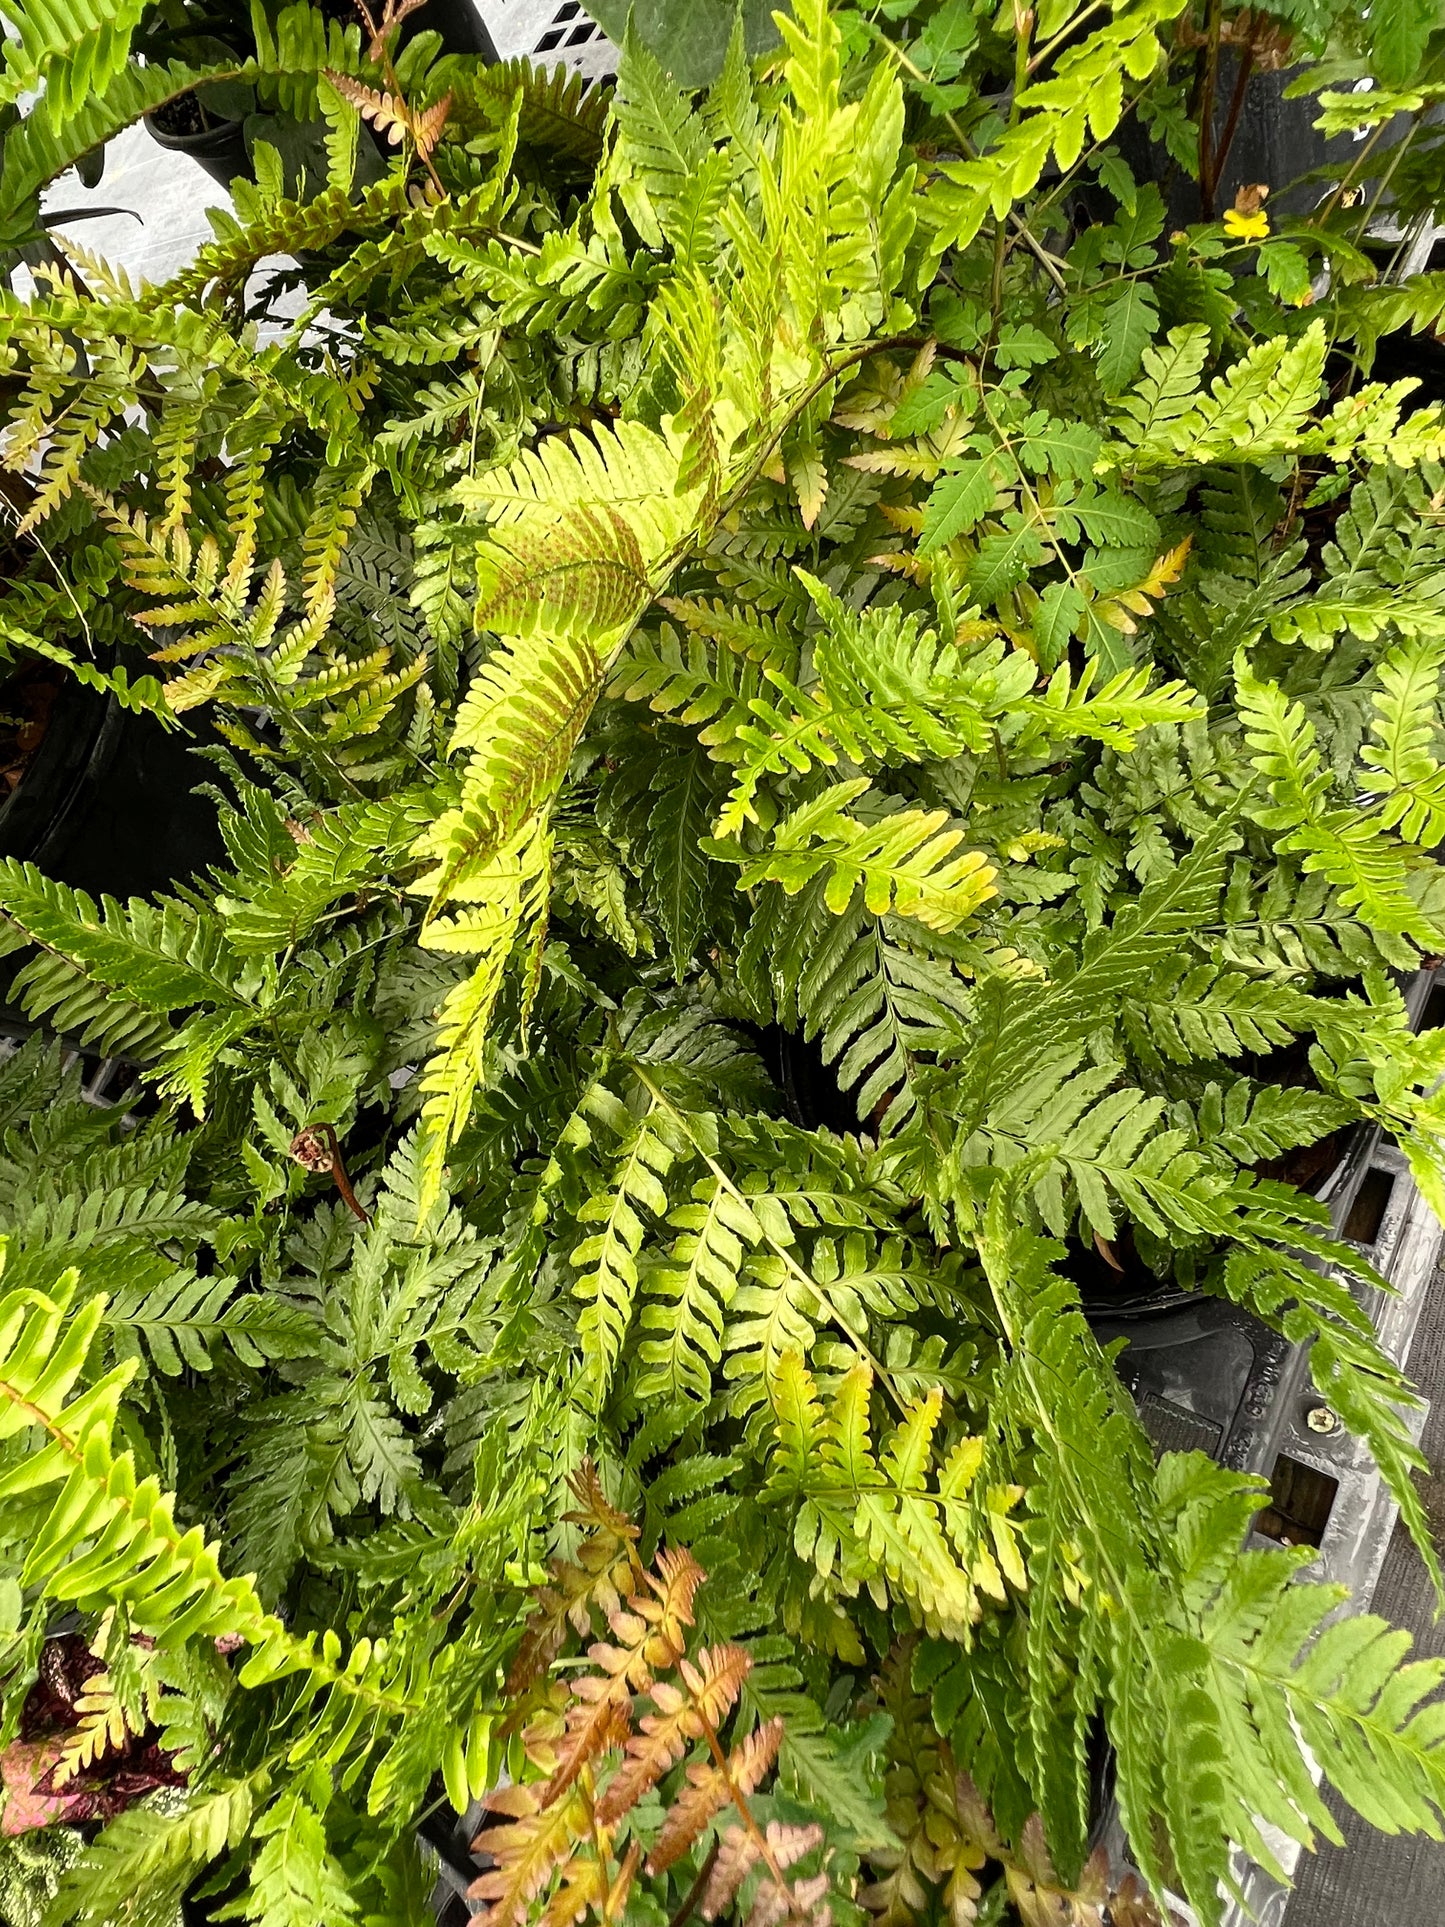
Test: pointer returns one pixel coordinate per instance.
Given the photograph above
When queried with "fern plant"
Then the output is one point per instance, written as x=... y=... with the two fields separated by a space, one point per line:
x=803 y=699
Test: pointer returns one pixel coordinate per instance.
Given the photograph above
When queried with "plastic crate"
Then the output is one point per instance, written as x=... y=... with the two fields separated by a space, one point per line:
x=549 y=31
x=1209 y=1377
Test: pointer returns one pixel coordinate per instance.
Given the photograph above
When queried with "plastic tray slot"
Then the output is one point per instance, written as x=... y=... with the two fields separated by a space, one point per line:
x=1301 y=1498
x=1371 y=1202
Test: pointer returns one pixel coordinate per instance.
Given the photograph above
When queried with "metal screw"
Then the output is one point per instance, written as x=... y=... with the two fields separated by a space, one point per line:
x=1319 y=1418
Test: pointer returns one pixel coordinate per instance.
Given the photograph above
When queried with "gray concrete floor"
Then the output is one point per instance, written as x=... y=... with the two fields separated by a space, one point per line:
x=164 y=197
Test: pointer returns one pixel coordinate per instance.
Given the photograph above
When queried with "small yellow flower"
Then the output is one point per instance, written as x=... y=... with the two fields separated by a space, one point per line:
x=1246 y=220
x=1246 y=227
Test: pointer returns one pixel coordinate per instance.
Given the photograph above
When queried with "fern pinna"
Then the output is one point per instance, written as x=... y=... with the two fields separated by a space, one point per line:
x=825 y=726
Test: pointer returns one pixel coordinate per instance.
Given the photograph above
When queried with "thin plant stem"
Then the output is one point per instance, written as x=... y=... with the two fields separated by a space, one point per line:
x=1331 y=201
x=755 y=1833
x=1207 y=175
x=695 y=1892
x=1401 y=148
x=1021 y=228
x=1236 y=107
x=1063 y=34
x=1023 y=29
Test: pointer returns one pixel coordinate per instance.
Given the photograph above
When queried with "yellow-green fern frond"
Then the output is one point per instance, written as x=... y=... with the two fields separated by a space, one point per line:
x=71 y=51
x=519 y=724
x=623 y=467
x=908 y=862
x=505 y=895
x=108 y=1534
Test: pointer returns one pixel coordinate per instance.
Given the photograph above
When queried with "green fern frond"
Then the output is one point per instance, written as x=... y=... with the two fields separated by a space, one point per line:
x=333 y=856
x=62 y=995
x=1166 y=391
x=505 y=895
x=162 y=958
x=183 y=1321
x=561 y=111
x=71 y=53
x=1254 y=1122
x=1354 y=851
x=1284 y=1676
x=889 y=692
x=676 y=178
x=1017 y=1027
x=36 y=152
x=687 y=1296
x=1256 y=411
x=905 y=861
x=1208 y=1012
x=518 y=725
x=339 y=495
x=1090 y=1485
x=1416 y=302
x=156 y=1853
x=681 y=679
x=625 y=469
x=608 y=1258
x=888 y=1515
x=746 y=631
x=1404 y=728
x=106 y=1534
x=878 y=1003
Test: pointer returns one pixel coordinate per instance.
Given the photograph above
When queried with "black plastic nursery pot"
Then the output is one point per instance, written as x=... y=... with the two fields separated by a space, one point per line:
x=217 y=146
x=1209 y=1377
x=1260 y=137
x=460 y=24
x=449 y=1835
x=1273 y=142
x=106 y=799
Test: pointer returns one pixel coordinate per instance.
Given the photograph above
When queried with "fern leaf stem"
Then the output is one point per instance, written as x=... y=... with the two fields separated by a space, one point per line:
x=755 y=1833
x=695 y=1892
x=800 y=405
x=1021 y=227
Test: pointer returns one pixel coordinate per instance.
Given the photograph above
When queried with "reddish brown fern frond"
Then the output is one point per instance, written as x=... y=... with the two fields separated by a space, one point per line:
x=709 y=1789
x=542 y=1639
x=395 y=12
x=737 y=1855
x=554 y=1847
x=426 y=126
x=599 y=1721
x=805 y=1900
x=385 y=112
x=582 y=1887
x=605 y=1570
x=713 y=1684
x=388 y=113
x=669 y=1613
x=622 y=1885
x=1042 y=1899
x=647 y=1636
x=530 y=1843
x=579 y=1893
x=1130 y=1905
x=593 y=1508
x=782 y=1847
x=711 y=1690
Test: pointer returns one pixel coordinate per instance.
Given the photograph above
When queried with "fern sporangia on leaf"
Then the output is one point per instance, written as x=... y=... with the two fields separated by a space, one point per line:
x=807 y=694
